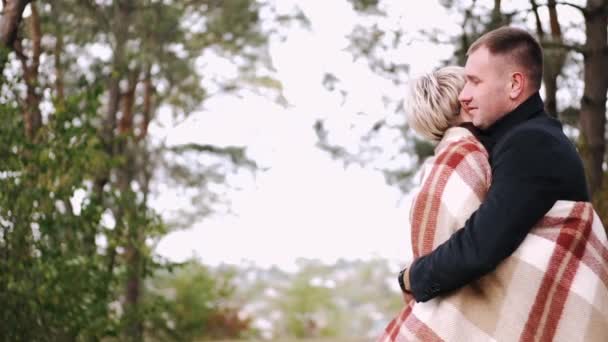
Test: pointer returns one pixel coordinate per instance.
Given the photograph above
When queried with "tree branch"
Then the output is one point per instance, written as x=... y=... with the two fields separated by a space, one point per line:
x=558 y=45
x=565 y=3
x=539 y=26
x=13 y=13
x=583 y=10
x=236 y=154
x=18 y=48
x=9 y=26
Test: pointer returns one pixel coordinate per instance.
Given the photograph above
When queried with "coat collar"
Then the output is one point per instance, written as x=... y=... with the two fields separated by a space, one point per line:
x=530 y=108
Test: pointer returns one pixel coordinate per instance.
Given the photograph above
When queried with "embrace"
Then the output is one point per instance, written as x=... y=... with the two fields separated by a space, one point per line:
x=506 y=244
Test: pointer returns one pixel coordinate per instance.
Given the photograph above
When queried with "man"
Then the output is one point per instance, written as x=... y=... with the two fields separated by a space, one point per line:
x=533 y=165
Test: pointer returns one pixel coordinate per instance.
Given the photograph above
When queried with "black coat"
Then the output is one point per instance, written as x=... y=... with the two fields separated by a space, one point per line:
x=534 y=165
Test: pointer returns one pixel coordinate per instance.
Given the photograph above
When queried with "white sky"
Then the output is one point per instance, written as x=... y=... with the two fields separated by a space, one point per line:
x=305 y=204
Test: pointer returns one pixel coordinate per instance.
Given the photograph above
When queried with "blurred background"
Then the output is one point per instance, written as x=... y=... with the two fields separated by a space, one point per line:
x=192 y=170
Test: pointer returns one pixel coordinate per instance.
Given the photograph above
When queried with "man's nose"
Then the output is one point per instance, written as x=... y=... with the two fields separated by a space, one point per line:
x=464 y=97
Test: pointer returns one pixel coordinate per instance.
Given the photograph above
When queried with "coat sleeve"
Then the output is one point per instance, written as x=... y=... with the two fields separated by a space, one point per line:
x=523 y=189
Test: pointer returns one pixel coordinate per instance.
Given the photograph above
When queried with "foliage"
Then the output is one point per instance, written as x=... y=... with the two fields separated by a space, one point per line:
x=54 y=281
x=306 y=306
x=78 y=230
x=191 y=304
x=346 y=299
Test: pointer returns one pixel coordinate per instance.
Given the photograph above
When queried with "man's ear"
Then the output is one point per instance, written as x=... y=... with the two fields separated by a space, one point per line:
x=517 y=85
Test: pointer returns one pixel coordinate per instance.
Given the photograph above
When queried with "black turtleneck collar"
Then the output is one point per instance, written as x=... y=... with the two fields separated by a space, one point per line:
x=530 y=108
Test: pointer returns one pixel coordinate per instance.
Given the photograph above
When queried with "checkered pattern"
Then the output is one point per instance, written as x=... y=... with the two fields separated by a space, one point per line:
x=553 y=288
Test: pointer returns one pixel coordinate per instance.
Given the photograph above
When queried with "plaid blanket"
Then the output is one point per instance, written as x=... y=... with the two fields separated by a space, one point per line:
x=553 y=288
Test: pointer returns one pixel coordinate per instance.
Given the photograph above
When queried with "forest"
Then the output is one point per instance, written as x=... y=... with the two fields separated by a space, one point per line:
x=89 y=88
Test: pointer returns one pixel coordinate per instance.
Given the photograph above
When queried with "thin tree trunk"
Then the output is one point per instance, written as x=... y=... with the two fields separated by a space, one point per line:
x=465 y=39
x=554 y=54
x=130 y=216
x=497 y=20
x=133 y=251
x=33 y=96
x=57 y=53
x=122 y=11
x=125 y=126
x=122 y=17
x=554 y=61
x=539 y=25
x=126 y=214
x=147 y=106
x=133 y=259
x=31 y=110
x=9 y=26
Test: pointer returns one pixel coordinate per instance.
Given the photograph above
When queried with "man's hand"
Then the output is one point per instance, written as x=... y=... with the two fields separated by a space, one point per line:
x=404 y=284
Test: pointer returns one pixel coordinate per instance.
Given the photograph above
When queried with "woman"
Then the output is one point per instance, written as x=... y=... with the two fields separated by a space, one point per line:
x=435 y=113
x=525 y=297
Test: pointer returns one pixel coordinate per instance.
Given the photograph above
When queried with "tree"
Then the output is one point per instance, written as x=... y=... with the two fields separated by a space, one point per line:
x=554 y=54
x=592 y=114
x=593 y=103
x=43 y=225
x=85 y=82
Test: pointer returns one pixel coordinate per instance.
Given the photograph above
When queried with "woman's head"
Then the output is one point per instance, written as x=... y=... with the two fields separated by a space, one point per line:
x=432 y=105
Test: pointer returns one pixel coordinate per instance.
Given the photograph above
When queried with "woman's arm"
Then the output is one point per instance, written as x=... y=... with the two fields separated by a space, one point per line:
x=453 y=188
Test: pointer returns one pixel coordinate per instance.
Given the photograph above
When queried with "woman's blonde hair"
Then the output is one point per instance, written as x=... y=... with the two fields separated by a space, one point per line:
x=433 y=104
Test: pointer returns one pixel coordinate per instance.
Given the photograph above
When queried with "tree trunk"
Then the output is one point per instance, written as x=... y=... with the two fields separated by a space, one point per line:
x=539 y=25
x=554 y=55
x=133 y=225
x=32 y=111
x=31 y=108
x=497 y=19
x=123 y=11
x=465 y=38
x=125 y=208
x=147 y=106
x=57 y=52
x=9 y=26
x=125 y=126
x=554 y=61
x=124 y=146
x=121 y=29
x=593 y=103
x=133 y=254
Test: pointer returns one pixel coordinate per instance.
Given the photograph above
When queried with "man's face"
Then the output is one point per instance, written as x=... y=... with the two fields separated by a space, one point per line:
x=486 y=92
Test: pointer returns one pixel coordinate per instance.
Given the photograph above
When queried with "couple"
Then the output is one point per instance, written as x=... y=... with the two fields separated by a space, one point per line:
x=506 y=245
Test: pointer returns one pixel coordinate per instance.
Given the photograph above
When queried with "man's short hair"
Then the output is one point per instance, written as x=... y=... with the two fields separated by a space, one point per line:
x=432 y=104
x=519 y=46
